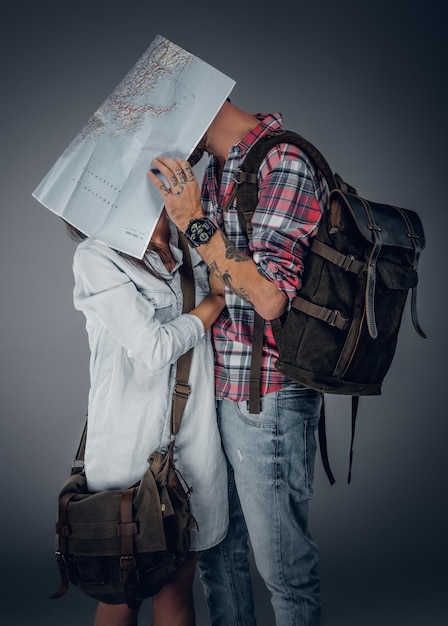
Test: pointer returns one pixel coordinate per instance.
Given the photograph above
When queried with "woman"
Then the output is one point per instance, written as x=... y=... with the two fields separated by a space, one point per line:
x=136 y=333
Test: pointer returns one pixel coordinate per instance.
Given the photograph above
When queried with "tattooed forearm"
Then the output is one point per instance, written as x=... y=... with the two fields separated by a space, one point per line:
x=214 y=267
x=242 y=293
x=239 y=291
x=226 y=278
x=233 y=253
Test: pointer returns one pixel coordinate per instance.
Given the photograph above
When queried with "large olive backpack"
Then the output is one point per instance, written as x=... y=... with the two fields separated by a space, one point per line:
x=339 y=336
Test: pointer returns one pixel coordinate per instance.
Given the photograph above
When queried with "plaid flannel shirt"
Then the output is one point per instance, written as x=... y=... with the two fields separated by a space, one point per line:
x=292 y=195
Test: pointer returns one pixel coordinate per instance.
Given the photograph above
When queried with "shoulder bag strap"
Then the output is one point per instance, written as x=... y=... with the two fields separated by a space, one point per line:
x=182 y=388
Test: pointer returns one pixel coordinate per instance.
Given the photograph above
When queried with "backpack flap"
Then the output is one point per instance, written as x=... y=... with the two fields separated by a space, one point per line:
x=395 y=237
x=399 y=227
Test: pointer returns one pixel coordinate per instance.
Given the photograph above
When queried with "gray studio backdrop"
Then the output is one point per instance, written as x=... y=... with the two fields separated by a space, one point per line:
x=364 y=81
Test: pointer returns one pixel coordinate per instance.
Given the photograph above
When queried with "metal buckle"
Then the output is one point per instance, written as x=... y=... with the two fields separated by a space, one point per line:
x=349 y=260
x=127 y=562
x=236 y=177
x=182 y=389
x=331 y=321
x=77 y=466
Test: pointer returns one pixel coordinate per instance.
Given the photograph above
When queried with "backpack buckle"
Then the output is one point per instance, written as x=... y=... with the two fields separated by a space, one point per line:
x=237 y=176
x=348 y=262
x=331 y=321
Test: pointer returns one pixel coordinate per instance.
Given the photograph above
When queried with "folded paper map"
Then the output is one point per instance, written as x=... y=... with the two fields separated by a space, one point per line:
x=164 y=105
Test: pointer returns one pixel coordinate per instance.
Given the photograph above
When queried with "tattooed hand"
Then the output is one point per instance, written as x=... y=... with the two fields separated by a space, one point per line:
x=182 y=197
x=181 y=193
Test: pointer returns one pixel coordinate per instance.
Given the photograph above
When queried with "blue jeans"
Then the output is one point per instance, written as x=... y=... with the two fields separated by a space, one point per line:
x=271 y=468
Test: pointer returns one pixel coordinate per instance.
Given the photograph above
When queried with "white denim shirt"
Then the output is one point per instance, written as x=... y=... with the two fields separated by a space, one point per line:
x=136 y=332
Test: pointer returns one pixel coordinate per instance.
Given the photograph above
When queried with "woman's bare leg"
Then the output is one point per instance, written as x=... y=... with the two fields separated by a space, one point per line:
x=173 y=605
x=115 y=615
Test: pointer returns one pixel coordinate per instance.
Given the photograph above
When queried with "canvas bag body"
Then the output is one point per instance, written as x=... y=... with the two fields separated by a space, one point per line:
x=90 y=534
x=349 y=360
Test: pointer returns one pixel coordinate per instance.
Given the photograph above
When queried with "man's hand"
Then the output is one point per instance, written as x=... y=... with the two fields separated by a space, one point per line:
x=181 y=194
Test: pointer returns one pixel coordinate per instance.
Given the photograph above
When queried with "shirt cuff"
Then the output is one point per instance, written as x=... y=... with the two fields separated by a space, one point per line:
x=198 y=325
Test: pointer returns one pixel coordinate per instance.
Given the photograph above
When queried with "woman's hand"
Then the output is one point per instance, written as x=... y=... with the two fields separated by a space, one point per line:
x=212 y=305
x=216 y=284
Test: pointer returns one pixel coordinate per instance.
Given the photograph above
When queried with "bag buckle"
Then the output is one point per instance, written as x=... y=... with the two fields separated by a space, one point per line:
x=237 y=177
x=77 y=466
x=127 y=562
x=60 y=557
x=348 y=262
x=128 y=569
x=331 y=321
x=182 y=389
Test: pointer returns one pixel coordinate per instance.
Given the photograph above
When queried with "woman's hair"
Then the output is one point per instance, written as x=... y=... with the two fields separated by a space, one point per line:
x=74 y=233
x=77 y=235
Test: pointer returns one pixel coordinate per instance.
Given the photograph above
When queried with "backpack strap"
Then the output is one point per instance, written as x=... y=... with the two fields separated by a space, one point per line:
x=246 y=177
x=355 y=403
x=417 y=245
x=255 y=365
x=322 y=432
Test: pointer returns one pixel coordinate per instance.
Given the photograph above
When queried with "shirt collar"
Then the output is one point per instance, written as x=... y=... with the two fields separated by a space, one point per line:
x=155 y=261
x=268 y=123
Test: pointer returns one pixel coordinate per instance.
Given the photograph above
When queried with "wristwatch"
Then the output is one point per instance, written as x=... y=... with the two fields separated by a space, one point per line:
x=199 y=231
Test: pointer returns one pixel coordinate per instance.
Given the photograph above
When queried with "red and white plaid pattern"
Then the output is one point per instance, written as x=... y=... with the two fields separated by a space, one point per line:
x=291 y=197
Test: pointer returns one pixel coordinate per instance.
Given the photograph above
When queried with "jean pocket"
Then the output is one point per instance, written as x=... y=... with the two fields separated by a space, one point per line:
x=267 y=418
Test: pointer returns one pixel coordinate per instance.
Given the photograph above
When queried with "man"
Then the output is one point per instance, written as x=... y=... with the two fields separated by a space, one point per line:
x=271 y=454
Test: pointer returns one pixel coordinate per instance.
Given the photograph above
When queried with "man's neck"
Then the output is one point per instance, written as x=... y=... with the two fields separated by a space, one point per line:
x=230 y=126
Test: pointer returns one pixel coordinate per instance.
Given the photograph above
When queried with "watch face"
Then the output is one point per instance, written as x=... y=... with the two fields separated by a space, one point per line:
x=200 y=231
